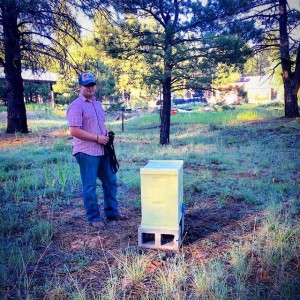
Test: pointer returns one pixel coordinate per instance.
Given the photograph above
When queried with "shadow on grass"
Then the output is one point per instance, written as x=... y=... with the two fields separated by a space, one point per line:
x=211 y=222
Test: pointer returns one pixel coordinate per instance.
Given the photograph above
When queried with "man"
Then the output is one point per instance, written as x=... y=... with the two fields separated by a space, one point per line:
x=87 y=126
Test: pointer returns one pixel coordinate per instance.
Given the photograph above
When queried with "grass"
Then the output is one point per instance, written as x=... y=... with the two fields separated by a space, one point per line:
x=241 y=188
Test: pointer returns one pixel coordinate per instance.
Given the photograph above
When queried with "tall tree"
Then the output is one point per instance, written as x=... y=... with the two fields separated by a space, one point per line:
x=280 y=20
x=16 y=118
x=129 y=74
x=226 y=74
x=87 y=58
x=291 y=79
x=258 y=64
x=185 y=37
x=32 y=31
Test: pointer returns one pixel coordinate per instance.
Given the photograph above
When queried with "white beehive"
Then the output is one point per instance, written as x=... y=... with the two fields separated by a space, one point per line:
x=162 y=203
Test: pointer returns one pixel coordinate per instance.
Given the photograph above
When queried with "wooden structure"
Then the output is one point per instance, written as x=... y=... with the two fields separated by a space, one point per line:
x=37 y=78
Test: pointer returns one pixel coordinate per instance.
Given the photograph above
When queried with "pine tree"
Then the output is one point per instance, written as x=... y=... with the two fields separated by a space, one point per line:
x=31 y=32
x=279 y=21
x=184 y=40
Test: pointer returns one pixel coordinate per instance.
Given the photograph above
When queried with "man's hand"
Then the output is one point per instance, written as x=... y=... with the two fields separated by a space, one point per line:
x=86 y=136
x=102 y=139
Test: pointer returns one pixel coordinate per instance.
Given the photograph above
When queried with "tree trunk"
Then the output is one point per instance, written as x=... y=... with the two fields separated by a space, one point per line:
x=167 y=86
x=290 y=99
x=16 y=111
x=289 y=79
x=166 y=112
x=52 y=100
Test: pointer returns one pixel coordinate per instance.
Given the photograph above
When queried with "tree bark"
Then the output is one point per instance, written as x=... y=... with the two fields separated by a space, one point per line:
x=290 y=79
x=167 y=86
x=290 y=98
x=166 y=111
x=16 y=111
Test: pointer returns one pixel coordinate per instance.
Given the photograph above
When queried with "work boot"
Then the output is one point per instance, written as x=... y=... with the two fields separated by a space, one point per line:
x=117 y=218
x=97 y=225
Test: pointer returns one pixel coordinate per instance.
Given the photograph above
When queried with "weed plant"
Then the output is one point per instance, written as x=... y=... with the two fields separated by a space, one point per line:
x=236 y=161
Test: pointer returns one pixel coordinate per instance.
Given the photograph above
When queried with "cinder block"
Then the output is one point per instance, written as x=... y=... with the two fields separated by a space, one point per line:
x=160 y=238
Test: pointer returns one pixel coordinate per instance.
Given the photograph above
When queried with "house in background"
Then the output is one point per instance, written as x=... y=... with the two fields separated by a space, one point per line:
x=36 y=78
x=258 y=89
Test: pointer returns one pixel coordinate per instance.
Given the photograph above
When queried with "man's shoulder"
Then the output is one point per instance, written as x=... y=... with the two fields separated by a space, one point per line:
x=77 y=102
x=74 y=106
x=98 y=102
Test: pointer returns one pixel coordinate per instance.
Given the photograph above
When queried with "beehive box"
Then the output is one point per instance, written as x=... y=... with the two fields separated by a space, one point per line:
x=162 y=194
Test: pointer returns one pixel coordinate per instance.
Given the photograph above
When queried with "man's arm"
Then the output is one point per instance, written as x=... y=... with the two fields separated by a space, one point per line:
x=86 y=136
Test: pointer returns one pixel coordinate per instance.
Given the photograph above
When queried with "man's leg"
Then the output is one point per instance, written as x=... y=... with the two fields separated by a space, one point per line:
x=109 y=184
x=88 y=170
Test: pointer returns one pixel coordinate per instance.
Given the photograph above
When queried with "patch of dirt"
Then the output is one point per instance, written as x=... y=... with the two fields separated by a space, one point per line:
x=209 y=233
x=46 y=138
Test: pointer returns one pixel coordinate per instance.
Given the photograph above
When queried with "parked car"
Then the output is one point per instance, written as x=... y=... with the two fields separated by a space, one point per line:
x=198 y=99
x=178 y=101
x=190 y=100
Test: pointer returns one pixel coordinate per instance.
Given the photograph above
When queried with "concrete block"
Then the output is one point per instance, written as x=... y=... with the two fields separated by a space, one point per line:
x=159 y=238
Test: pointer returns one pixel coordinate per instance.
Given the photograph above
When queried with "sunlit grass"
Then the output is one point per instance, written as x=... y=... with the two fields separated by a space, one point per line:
x=248 y=116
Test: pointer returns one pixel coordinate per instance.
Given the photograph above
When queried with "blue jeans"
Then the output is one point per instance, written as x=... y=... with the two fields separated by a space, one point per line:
x=92 y=167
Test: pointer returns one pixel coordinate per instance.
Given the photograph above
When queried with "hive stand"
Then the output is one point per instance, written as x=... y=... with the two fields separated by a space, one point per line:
x=165 y=239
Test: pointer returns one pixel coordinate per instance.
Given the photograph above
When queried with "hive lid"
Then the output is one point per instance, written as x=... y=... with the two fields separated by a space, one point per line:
x=162 y=167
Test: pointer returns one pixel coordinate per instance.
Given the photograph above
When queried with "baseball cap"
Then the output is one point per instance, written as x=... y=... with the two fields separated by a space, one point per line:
x=86 y=78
